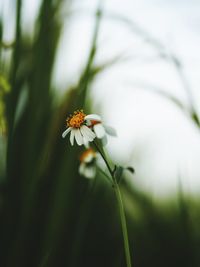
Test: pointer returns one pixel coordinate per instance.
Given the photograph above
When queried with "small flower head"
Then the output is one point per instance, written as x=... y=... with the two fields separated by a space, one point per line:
x=76 y=125
x=94 y=122
x=87 y=166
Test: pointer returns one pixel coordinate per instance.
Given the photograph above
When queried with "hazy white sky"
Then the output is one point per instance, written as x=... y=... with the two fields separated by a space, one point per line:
x=153 y=134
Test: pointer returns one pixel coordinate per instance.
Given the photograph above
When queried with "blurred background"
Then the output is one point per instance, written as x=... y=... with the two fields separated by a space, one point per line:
x=136 y=63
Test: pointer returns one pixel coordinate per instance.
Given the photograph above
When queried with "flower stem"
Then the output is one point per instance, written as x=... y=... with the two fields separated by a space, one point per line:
x=120 y=206
x=105 y=160
x=124 y=226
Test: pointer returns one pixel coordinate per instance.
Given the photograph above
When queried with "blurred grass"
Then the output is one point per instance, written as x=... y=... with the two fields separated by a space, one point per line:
x=49 y=215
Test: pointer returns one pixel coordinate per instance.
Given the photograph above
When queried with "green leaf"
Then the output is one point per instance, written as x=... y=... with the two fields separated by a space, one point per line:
x=131 y=169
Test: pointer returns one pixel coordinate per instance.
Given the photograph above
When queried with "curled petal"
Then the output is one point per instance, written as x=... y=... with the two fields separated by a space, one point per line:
x=94 y=117
x=64 y=134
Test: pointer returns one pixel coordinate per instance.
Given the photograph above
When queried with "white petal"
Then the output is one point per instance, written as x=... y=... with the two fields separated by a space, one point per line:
x=94 y=117
x=90 y=172
x=93 y=171
x=72 y=136
x=78 y=137
x=66 y=132
x=82 y=168
x=89 y=158
x=87 y=172
x=99 y=130
x=111 y=131
x=87 y=133
x=86 y=143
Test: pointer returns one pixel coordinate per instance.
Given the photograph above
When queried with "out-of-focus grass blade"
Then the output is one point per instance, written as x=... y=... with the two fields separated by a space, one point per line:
x=166 y=55
x=65 y=194
x=27 y=139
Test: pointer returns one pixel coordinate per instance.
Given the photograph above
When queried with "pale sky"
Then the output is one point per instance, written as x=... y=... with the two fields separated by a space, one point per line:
x=153 y=134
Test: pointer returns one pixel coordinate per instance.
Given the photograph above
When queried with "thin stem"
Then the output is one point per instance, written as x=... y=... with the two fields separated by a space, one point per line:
x=105 y=160
x=123 y=223
x=121 y=207
x=106 y=175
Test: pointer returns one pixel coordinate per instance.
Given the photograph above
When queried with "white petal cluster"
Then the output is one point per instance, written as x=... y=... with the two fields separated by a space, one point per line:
x=101 y=130
x=82 y=135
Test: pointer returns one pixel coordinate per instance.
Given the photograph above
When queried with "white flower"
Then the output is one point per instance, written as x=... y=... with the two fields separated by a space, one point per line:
x=87 y=166
x=77 y=128
x=101 y=130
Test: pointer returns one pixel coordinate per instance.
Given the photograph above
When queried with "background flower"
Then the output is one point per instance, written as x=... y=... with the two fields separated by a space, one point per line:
x=101 y=130
x=87 y=166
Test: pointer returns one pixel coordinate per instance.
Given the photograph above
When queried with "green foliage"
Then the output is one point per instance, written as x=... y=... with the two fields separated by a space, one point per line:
x=4 y=89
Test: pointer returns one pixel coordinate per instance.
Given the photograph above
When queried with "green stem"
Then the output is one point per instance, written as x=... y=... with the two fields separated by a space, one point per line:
x=120 y=205
x=105 y=160
x=105 y=174
x=123 y=223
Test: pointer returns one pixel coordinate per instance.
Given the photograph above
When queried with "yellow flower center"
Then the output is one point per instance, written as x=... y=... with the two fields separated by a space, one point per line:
x=76 y=120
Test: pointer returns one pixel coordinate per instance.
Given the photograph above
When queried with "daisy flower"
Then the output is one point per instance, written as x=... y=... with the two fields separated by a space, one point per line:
x=101 y=130
x=76 y=126
x=87 y=166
